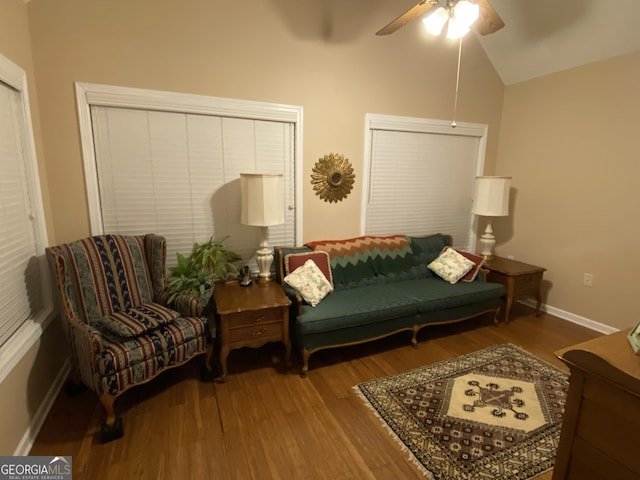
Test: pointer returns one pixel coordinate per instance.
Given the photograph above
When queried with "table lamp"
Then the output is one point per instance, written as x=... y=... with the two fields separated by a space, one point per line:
x=490 y=199
x=262 y=206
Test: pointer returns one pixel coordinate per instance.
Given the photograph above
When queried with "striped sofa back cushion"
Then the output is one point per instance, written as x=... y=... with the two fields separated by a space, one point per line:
x=364 y=260
x=102 y=275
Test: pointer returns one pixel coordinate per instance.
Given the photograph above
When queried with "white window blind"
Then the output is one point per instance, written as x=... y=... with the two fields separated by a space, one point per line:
x=177 y=174
x=420 y=182
x=25 y=302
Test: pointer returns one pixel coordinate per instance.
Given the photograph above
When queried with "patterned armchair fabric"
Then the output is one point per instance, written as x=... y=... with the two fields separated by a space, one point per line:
x=121 y=332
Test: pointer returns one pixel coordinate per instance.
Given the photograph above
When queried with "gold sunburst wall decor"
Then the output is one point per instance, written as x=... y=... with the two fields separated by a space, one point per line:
x=332 y=177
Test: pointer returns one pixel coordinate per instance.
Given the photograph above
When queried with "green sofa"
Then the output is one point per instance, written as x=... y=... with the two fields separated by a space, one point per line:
x=381 y=286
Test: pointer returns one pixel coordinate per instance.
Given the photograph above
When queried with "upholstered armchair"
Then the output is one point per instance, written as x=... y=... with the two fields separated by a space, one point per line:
x=113 y=304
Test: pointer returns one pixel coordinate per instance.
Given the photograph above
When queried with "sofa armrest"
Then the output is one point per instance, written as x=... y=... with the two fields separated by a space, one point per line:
x=482 y=275
x=294 y=296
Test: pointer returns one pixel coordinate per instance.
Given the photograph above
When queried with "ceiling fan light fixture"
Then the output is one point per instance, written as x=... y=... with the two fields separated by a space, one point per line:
x=456 y=29
x=434 y=23
x=464 y=14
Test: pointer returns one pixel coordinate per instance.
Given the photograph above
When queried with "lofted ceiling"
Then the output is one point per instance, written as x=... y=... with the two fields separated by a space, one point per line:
x=547 y=36
x=540 y=36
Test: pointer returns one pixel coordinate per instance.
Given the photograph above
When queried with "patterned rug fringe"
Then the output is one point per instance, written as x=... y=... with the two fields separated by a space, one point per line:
x=410 y=456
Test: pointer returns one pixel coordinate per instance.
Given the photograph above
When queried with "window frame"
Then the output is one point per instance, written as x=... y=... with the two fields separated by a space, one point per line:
x=30 y=331
x=88 y=94
x=420 y=125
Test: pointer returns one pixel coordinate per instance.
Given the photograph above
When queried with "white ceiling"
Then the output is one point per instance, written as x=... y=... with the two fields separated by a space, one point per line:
x=547 y=36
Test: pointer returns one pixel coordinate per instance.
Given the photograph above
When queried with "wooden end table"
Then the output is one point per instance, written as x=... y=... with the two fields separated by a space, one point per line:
x=251 y=317
x=519 y=278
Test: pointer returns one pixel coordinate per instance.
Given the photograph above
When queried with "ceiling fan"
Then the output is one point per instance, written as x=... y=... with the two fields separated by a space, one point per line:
x=459 y=16
x=441 y=11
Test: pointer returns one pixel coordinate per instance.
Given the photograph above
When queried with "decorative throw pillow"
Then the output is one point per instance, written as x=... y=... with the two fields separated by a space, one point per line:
x=321 y=259
x=135 y=321
x=450 y=265
x=309 y=280
x=477 y=260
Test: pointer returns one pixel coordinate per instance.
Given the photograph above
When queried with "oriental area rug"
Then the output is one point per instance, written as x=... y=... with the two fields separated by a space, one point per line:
x=493 y=414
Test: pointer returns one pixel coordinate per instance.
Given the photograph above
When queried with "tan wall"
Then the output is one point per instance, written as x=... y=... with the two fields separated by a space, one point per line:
x=273 y=51
x=25 y=388
x=571 y=142
x=321 y=55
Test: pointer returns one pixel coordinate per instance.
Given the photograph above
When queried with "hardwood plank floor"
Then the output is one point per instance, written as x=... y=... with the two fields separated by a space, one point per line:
x=268 y=423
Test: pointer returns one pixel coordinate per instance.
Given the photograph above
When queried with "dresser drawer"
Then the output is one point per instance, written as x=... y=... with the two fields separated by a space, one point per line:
x=258 y=332
x=253 y=317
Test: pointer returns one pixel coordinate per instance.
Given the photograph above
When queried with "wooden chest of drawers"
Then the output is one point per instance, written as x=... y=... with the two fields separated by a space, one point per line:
x=599 y=439
x=250 y=317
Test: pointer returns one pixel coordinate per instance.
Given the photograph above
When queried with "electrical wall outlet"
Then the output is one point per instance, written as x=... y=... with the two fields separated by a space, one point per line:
x=588 y=279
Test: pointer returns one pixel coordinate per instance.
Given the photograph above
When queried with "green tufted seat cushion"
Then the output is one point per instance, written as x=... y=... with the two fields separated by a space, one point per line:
x=432 y=294
x=353 y=307
x=369 y=304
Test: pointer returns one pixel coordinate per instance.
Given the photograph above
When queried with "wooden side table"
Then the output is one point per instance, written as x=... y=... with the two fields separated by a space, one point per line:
x=599 y=438
x=519 y=278
x=251 y=317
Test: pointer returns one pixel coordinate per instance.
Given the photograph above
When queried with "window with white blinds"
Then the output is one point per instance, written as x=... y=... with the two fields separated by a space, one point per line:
x=25 y=302
x=176 y=173
x=420 y=177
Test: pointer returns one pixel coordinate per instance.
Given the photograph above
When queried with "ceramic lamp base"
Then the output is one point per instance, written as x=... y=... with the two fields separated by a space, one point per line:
x=487 y=242
x=264 y=258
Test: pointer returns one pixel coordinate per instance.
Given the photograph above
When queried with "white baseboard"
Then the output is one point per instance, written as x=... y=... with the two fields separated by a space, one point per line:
x=24 y=447
x=572 y=317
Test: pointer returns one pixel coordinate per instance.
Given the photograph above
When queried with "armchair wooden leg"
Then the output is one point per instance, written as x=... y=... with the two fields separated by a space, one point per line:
x=112 y=428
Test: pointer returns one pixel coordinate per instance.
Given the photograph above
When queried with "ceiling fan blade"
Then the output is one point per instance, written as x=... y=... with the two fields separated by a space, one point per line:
x=415 y=11
x=489 y=20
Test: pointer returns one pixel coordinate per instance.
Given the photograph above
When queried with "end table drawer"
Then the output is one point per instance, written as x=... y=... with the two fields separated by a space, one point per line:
x=527 y=284
x=253 y=317
x=256 y=332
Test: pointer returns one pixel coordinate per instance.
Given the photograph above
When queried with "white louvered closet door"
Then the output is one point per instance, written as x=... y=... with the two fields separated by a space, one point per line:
x=177 y=174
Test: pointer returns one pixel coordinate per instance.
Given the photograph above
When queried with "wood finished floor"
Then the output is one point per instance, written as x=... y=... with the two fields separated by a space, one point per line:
x=268 y=423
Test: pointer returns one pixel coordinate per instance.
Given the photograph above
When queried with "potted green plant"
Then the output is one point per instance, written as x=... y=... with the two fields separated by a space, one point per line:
x=194 y=275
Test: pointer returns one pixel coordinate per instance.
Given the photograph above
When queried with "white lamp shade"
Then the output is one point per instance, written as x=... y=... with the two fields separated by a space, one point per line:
x=491 y=196
x=262 y=199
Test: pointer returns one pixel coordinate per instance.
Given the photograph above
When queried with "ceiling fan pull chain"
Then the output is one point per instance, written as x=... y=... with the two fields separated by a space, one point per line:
x=455 y=101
